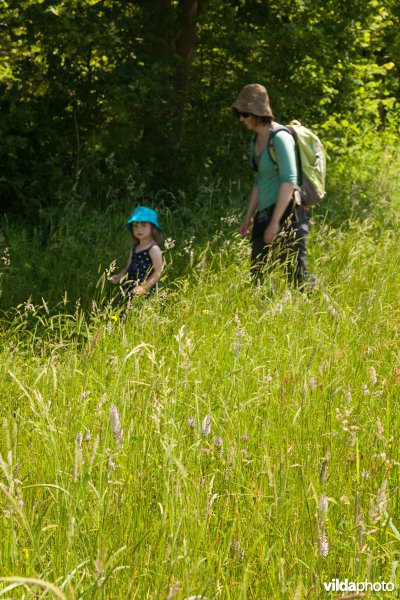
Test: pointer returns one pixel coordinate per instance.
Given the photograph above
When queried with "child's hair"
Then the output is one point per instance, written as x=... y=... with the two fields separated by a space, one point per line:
x=155 y=234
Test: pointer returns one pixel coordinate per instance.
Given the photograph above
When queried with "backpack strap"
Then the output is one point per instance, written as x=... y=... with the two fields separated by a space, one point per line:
x=252 y=159
x=272 y=155
x=270 y=147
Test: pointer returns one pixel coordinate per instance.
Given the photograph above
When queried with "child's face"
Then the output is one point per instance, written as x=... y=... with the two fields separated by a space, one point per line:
x=141 y=230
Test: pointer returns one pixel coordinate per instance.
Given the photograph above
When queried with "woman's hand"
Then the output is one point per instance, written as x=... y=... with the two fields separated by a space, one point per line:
x=244 y=227
x=271 y=232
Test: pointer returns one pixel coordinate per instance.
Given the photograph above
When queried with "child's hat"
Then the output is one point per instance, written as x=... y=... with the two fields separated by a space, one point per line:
x=142 y=214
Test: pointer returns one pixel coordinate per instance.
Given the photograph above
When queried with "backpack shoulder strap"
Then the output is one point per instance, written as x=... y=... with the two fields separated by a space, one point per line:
x=252 y=160
x=271 y=150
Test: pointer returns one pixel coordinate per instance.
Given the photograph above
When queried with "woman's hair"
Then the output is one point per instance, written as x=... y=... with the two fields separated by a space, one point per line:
x=155 y=234
x=263 y=120
x=267 y=120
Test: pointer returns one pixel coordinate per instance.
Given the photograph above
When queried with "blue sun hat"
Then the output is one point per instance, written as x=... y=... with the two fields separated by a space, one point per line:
x=142 y=214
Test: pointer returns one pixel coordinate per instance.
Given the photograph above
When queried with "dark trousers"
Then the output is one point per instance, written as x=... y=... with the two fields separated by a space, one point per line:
x=289 y=246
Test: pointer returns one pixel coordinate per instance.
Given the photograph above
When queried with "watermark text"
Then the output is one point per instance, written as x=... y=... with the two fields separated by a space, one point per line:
x=337 y=585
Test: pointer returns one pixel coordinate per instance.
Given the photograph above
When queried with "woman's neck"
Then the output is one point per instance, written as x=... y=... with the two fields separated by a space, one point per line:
x=263 y=131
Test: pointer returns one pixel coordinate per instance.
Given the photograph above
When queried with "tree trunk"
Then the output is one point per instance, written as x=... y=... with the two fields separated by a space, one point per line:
x=185 y=47
x=170 y=35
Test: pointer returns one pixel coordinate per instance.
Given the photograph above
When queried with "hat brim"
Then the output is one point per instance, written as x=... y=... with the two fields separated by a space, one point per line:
x=129 y=222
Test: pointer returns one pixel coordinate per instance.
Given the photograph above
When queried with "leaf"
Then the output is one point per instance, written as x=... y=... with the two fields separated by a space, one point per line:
x=53 y=10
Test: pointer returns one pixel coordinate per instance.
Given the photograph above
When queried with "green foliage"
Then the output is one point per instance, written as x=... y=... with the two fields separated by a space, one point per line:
x=83 y=81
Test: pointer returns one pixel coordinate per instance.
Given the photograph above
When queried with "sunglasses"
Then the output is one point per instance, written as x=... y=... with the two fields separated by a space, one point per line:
x=242 y=114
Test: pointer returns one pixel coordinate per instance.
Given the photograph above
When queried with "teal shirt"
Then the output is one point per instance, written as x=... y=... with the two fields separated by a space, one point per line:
x=268 y=178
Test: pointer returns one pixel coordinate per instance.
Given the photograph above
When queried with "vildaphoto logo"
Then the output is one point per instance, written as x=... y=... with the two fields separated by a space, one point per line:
x=336 y=585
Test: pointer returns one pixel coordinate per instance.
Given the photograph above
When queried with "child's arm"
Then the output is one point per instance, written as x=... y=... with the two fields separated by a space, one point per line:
x=115 y=279
x=158 y=263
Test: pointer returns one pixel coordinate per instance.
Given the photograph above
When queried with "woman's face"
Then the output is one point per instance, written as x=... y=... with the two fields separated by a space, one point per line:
x=249 y=120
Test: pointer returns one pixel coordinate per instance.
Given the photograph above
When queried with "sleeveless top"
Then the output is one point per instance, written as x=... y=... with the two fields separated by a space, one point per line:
x=141 y=267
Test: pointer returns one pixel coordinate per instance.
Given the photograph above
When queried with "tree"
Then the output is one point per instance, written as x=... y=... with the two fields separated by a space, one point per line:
x=93 y=92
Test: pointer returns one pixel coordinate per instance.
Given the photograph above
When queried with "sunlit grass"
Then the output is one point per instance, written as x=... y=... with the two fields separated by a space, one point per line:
x=281 y=492
x=222 y=441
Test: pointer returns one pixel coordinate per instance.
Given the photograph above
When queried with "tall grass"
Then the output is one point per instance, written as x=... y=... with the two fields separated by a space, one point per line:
x=224 y=441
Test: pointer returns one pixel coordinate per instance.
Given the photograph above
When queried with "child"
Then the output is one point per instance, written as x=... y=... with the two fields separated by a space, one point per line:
x=145 y=263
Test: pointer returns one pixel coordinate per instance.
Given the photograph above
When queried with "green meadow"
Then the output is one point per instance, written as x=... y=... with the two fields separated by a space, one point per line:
x=225 y=440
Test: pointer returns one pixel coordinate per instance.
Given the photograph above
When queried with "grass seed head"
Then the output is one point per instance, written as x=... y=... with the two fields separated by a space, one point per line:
x=206 y=426
x=174 y=590
x=323 y=545
x=373 y=376
x=378 y=506
x=116 y=424
x=323 y=505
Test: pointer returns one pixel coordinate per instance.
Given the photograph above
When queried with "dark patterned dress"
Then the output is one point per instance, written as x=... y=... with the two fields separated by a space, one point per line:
x=139 y=270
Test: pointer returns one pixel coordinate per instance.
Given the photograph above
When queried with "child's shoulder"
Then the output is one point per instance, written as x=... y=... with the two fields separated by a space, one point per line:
x=154 y=248
x=156 y=255
x=137 y=249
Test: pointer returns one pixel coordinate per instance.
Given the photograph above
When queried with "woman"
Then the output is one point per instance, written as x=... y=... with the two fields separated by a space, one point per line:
x=278 y=220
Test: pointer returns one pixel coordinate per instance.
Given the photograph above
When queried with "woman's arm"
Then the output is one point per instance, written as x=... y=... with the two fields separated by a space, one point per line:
x=251 y=209
x=158 y=264
x=287 y=167
x=285 y=195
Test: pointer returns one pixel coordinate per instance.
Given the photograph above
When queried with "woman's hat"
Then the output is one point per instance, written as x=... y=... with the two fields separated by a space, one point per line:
x=253 y=99
x=142 y=214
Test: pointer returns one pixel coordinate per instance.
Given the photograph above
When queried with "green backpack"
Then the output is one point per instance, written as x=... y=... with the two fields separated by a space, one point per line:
x=312 y=161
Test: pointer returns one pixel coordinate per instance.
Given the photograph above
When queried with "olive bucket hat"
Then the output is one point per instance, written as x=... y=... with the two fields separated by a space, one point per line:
x=253 y=99
x=142 y=214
